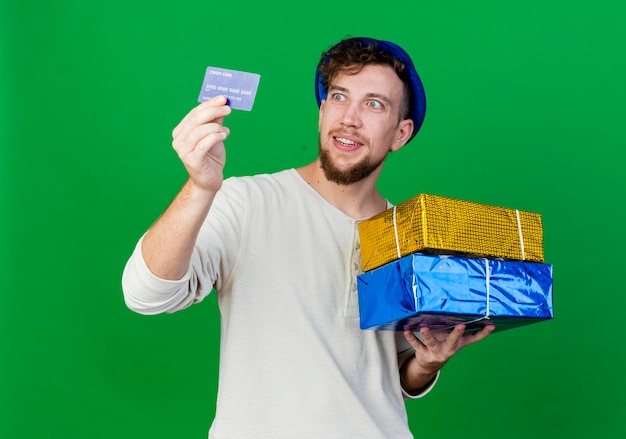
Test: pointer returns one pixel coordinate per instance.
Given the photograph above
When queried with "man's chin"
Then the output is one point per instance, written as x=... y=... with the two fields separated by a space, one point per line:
x=349 y=175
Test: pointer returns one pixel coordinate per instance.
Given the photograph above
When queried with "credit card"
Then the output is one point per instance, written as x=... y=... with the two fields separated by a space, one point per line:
x=238 y=87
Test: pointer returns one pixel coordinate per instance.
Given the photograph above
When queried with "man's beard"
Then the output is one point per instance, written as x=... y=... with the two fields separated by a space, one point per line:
x=355 y=174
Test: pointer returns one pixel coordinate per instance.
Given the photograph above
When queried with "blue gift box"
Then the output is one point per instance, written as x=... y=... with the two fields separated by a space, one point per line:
x=442 y=291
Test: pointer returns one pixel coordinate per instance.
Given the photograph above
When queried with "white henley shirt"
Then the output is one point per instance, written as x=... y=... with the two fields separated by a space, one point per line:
x=293 y=361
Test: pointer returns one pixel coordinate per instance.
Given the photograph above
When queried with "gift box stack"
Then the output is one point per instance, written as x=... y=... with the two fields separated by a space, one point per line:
x=436 y=261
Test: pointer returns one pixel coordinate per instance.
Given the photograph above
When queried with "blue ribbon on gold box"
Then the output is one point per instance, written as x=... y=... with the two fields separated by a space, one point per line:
x=441 y=291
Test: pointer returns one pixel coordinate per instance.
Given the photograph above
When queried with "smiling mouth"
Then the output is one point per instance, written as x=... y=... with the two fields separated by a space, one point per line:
x=346 y=142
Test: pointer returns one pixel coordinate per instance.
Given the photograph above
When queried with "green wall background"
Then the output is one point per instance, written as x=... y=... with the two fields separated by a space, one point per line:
x=525 y=109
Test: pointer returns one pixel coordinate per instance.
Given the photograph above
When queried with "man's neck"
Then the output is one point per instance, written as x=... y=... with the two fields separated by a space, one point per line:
x=358 y=200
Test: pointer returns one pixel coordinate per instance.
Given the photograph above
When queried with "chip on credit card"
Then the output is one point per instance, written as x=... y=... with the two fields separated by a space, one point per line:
x=238 y=87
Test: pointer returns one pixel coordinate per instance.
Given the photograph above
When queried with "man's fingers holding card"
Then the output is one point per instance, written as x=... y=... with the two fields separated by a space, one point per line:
x=209 y=147
x=213 y=110
x=203 y=154
x=199 y=137
x=207 y=134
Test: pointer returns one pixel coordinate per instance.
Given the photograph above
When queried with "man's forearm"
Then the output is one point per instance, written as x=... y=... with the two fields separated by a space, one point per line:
x=168 y=244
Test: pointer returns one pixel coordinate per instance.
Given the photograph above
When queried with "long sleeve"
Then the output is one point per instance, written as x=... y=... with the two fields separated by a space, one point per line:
x=146 y=293
x=212 y=261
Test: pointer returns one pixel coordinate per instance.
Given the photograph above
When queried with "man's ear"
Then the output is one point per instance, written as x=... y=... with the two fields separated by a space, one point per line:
x=403 y=134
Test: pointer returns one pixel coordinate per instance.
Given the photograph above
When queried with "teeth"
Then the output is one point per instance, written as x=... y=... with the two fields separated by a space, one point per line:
x=345 y=141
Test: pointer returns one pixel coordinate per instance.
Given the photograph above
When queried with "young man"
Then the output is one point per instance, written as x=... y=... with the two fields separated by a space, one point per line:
x=282 y=252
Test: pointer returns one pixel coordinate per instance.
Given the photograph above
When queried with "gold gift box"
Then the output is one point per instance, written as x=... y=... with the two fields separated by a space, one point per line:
x=439 y=225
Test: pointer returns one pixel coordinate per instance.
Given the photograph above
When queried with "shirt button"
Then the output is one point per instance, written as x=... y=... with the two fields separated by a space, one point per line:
x=356 y=267
x=358 y=245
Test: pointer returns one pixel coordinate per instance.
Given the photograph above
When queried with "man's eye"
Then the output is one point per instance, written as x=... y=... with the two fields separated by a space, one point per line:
x=374 y=104
x=338 y=97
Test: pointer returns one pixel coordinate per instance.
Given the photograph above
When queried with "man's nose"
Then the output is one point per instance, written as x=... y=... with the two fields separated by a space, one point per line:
x=351 y=116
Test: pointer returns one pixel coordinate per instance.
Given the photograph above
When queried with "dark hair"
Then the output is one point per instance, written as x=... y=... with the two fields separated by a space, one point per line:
x=352 y=55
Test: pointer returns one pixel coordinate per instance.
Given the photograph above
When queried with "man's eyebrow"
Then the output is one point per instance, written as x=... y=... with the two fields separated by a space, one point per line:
x=369 y=95
x=379 y=96
x=337 y=88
